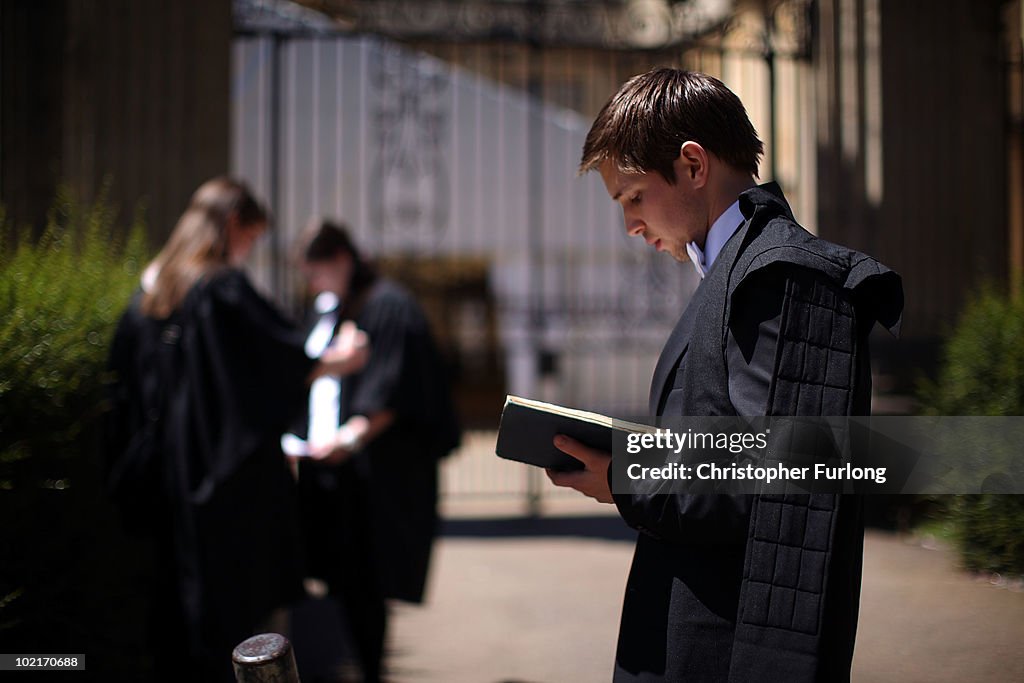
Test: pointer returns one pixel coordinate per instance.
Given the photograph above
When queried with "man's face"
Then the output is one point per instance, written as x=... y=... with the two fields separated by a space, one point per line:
x=667 y=216
x=331 y=275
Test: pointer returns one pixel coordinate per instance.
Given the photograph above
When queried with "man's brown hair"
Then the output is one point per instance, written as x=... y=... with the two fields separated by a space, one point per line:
x=324 y=239
x=642 y=127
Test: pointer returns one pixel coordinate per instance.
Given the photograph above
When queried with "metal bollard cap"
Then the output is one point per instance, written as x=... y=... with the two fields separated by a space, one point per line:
x=266 y=647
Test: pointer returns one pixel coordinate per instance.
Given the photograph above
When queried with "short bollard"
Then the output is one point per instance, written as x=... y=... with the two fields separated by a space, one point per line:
x=266 y=658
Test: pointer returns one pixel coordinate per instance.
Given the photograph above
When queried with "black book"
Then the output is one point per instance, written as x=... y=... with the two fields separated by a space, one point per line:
x=528 y=428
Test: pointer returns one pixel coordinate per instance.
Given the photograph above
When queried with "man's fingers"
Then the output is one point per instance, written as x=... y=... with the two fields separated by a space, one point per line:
x=350 y=337
x=592 y=479
x=347 y=332
x=350 y=350
x=559 y=478
x=588 y=456
x=588 y=482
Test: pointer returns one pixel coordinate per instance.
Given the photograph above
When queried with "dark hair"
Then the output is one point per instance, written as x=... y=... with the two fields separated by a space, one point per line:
x=198 y=245
x=643 y=125
x=324 y=240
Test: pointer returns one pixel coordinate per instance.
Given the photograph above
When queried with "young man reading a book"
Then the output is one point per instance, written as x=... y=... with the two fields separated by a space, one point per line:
x=751 y=587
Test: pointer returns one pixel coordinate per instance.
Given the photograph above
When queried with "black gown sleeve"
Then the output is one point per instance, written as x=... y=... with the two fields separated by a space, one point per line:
x=391 y=323
x=405 y=373
x=246 y=373
x=751 y=345
x=264 y=353
x=131 y=436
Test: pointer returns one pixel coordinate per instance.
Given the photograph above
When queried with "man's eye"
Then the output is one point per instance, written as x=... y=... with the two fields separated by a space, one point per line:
x=635 y=199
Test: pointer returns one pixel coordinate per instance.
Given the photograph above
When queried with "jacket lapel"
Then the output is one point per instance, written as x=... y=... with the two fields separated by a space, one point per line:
x=671 y=354
x=679 y=340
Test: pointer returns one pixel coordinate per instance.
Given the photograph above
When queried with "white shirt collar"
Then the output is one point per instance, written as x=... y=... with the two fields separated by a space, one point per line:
x=721 y=230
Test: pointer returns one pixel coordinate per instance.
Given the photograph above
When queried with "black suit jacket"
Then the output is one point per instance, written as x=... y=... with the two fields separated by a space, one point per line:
x=757 y=587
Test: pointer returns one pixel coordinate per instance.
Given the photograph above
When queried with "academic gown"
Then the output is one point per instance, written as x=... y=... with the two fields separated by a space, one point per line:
x=759 y=587
x=394 y=517
x=199 y=403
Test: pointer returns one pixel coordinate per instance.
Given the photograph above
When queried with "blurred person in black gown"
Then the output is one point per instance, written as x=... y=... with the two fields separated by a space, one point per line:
x=207 y=375
x=368 y=494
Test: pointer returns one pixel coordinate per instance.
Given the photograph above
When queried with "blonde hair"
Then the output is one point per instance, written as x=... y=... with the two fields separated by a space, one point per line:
x=198 y=245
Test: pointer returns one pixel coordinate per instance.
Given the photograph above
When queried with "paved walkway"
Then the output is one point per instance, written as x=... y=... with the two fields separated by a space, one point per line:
x=520 y=600
x=514 y=600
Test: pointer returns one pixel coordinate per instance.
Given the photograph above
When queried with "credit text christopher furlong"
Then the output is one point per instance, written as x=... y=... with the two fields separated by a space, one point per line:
x=734 y=443
x=748 y=472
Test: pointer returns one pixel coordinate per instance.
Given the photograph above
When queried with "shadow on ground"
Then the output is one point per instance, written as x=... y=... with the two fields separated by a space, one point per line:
x=607 y=527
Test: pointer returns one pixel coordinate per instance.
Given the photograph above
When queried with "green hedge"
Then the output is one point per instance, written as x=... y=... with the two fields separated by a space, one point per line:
x=988 y=532
x=61 y=294
x=982 y=373
x=982 y=370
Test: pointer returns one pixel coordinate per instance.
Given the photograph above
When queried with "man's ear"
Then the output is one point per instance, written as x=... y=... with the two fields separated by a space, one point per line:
x=692 y=164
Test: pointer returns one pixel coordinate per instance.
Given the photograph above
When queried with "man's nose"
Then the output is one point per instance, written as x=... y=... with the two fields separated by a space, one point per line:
x=635 y=228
